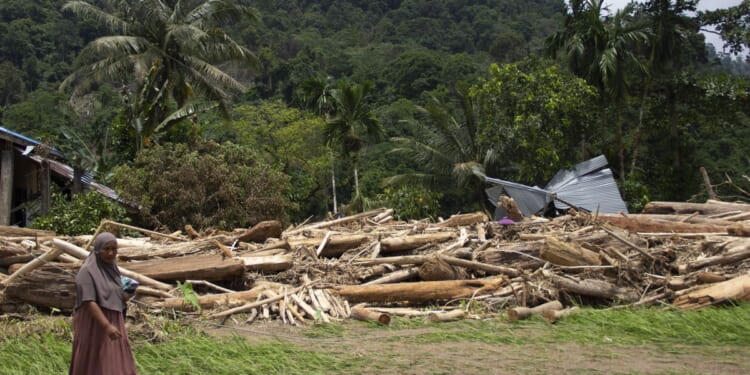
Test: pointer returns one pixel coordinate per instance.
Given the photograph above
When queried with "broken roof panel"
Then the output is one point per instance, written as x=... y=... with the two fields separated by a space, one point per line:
x=589 y=185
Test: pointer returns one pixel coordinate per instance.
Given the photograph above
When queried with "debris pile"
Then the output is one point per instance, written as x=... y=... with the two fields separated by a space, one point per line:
x=369 y=266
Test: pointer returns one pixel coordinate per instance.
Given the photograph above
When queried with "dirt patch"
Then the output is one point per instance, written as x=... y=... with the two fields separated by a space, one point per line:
x=401 y=351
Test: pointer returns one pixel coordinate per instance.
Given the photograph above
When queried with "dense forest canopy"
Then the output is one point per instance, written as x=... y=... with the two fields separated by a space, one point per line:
x=352 y=104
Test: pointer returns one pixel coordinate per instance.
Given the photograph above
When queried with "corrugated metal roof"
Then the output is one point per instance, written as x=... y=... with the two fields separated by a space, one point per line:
x=589 y=185
x=23 y=140
x=87 y=180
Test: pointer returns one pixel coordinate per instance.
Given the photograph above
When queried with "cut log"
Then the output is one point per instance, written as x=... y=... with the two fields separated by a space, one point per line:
x=708 y=208
x=82 y=254
x=273 y=263
x=204 y=267
x=568 y=254
x=511 y=208
x=709 y=278
x=555 y=315
x=735 y=251
x=395 y=276
x=435 y=269
x=10 y=231
x=520 y=312
x=261 y=232
x=739 y=230
x=425 y=291
x=49 y=286
x=446 y=316
x=396 y=244
x=592 y=288
x=464 y=220
x=335 y=245
x=330 y=223
x=636 y=224
x=213 y=300
x=28 y=267
x=361 y=313
x=736 y=289
x=149 y=251
x=419 y=259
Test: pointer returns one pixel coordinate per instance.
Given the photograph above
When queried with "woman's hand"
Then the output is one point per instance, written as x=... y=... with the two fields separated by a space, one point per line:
x=113 y=333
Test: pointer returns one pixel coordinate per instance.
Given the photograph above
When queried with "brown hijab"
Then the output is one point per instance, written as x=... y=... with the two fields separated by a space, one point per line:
x=99 y=281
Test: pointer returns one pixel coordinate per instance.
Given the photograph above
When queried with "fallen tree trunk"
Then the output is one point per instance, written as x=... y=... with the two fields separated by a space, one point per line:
x=520 y=312
x=49 y=286
x=636 y=224
x=446 y=316
x=10 y=231
x=736 y=251
x=736 y=289
x=274 y=263
x=28 y=267
x=592 y=288
x=204 y=267
x=80 y=253
x=166 y=251
x=261 y=232
x=361 y=313
x=419 y=259
x=568 y=254
x=212 y=300
x=435 y=269
x=425 y=291
x=464 y=220
x=335 y=244
x=330 y=223
x=395 y=276
x=396 y=244
x=708 y=208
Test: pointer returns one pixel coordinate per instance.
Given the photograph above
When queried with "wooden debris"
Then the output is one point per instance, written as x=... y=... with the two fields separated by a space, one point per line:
x=364 y=314
x=520 y=312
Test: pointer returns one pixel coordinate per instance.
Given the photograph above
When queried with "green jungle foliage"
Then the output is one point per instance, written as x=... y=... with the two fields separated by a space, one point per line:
x=224 y=186
x=80 y=214
x=322 y=92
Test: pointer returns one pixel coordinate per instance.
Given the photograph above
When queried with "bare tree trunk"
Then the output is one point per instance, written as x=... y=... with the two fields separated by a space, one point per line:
x=333 y=184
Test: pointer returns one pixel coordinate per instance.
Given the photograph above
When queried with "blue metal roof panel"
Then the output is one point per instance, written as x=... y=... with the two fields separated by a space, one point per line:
x=26 y=141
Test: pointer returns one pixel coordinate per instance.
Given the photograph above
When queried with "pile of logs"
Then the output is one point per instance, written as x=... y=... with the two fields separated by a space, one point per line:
x=369 y=266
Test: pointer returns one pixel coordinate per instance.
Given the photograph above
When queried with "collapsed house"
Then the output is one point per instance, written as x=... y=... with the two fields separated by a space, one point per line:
x=589 y=186
x=28 y=167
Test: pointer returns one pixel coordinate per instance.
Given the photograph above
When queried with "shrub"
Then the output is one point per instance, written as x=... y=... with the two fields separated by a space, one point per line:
x=410 y=202
x=221 y=186
x=79 y=215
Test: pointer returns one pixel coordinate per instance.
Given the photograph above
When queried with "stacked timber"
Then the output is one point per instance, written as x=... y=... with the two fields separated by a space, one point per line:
x=370 y=266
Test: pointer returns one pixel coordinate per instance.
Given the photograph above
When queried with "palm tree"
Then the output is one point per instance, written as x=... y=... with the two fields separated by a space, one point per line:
x=601 y=50
x=171 y=49
x=318 y=93
x=352 y=125
x=447 y=149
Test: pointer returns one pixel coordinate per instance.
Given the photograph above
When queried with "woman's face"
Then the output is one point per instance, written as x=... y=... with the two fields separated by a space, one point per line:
x=108 y=253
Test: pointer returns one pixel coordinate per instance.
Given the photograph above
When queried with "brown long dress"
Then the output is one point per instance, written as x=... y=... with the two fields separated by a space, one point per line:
x=96 y=354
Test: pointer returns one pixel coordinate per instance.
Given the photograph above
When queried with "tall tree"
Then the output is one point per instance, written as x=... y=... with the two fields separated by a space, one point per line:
x=447 y=150
x=733 y=24
x=353 y=125
x=317 y=93
x=598 y=48
x=171 y=49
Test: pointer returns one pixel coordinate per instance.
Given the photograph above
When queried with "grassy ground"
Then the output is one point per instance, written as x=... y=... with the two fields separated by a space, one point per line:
x=642 y=341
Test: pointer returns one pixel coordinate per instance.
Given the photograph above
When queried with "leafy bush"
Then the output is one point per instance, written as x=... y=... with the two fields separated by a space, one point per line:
x=79 y=215
x=221 y=186
x=412 y=202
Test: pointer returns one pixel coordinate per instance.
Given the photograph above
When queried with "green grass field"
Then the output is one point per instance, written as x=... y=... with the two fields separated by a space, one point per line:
x=42 y=345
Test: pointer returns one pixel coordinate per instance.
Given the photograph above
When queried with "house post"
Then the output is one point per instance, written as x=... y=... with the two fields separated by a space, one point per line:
x=6 y=181
x=44 y=186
